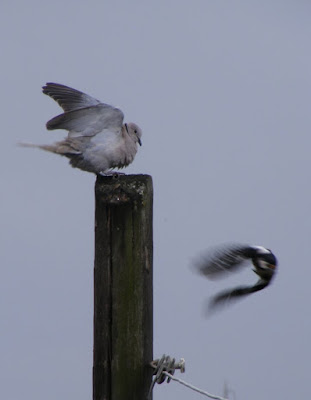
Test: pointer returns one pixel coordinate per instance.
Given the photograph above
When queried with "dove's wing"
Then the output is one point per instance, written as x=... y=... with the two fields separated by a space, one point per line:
x=224 y=259
x=89 y=121
x=84 y=115
x=228 y=296
x=69 y=99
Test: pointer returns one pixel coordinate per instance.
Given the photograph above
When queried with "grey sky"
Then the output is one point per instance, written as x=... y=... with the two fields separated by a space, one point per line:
x=221 y=91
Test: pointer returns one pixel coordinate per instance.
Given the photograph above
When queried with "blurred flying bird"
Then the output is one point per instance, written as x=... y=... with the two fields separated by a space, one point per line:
x=97 y=140
x=230 y=257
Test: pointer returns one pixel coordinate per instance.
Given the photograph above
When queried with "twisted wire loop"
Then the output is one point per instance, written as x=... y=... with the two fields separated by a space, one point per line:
x=164 y=365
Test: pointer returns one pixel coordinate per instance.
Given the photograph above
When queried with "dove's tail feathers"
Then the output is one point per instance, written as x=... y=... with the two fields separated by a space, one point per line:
x=52 y=148
x=63 y=148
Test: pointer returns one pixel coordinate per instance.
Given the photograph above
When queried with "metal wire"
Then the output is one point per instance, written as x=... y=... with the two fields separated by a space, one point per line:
x=164 y=369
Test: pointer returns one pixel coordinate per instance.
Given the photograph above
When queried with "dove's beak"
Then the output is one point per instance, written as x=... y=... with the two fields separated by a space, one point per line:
x=139 y=141
x=126 y=128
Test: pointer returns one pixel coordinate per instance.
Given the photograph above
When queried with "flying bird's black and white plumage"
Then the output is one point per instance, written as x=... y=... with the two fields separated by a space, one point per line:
x=223 y=259
x=97 y=140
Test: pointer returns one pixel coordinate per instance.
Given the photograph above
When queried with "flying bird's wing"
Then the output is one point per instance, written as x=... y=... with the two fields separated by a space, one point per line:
x=228 y=296
x=223 y=259
x=84 y=115
x=229 y=257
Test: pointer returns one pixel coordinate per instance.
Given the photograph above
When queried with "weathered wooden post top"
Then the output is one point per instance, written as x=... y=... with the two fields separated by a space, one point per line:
x=123 y=300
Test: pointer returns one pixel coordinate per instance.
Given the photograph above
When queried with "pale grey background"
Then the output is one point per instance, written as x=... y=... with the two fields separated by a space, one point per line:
x=221 y=90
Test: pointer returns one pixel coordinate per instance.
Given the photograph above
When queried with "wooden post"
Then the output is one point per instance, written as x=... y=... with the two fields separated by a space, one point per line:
x=123 y=299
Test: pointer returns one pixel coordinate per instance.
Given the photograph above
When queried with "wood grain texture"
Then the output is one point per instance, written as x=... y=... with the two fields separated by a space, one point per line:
x=123 y=299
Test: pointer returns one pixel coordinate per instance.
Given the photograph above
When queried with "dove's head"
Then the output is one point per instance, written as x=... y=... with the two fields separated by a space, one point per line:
x=134 y=132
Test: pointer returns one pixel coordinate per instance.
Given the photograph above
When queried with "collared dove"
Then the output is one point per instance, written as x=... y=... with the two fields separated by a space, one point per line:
x=97 y=140
x=216 y=263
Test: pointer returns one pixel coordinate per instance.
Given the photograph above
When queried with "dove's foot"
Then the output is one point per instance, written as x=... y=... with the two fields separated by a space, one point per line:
x=113 y=174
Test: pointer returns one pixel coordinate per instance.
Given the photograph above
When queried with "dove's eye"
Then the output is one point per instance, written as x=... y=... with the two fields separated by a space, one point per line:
x=135 y=131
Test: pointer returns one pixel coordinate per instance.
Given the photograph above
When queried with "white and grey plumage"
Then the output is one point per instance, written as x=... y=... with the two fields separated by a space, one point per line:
x=97 y=141
x=230 y=257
